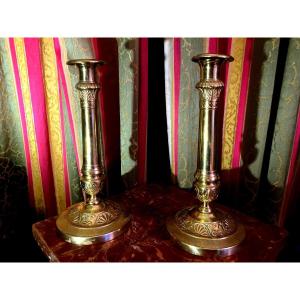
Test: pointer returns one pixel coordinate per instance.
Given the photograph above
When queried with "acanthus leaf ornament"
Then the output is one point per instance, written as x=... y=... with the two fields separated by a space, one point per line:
x=210 y=91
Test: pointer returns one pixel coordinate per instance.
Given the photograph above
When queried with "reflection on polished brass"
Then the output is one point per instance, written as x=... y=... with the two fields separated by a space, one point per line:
x=95 y=219
x=201 y=228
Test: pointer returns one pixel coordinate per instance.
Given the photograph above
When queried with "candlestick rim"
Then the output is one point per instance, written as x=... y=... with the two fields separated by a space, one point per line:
x=212 y=56
x=86 y=61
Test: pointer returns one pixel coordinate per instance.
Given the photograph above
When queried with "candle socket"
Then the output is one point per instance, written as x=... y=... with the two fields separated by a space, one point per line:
x=204 y=227
x=95 y=219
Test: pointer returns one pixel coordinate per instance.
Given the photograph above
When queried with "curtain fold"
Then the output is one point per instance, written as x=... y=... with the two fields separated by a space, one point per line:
x=282 y=161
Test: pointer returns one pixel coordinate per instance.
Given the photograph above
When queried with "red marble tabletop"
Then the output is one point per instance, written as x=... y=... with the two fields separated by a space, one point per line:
x=147 y=240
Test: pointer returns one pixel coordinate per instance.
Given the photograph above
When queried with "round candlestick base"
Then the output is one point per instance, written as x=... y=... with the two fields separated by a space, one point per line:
x=199 y=233
x=83 y=224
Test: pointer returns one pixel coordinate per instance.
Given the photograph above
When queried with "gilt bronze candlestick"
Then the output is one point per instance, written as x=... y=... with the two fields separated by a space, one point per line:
x=206 y=227
x=95 y=219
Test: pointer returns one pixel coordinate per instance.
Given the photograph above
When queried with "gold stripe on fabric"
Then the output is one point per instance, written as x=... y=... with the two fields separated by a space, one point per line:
x=51 y=85
x=205 y=45
x=34 y=156
x=232 y=101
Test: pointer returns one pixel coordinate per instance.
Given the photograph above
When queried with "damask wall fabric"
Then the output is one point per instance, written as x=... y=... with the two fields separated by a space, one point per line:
x=40 y=93
x=133 y=82
x=40 y=124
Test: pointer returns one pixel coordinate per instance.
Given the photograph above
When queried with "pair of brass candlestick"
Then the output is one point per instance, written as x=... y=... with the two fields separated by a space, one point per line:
x=196 y=229
x=95 y=220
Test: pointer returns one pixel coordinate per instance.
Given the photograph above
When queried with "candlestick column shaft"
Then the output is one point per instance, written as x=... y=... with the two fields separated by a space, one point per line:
x=207 y=181
x=92 y=174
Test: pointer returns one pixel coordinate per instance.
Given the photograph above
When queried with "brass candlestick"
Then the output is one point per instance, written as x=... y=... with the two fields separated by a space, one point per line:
x=204 y=227
x=95 y=219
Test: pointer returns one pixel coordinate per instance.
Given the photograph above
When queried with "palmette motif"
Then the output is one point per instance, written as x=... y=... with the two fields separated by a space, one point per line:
x=218 y=229
x=88 y=218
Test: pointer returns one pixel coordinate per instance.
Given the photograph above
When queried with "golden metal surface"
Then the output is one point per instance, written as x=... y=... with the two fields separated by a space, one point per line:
x=95 y=220
x=203 y=227
x=83 y=225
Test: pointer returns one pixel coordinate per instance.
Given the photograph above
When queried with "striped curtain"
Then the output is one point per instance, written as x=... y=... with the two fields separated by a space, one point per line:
x=260 y=115
x=40 y=125
x=40 y=120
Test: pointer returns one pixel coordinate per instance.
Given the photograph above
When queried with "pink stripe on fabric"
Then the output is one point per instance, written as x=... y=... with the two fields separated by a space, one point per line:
x=242 y=103
x=68 y=105
x=142 y=111
x=213 y=45
x=177 y=62
x=32 y=49
x=23 y=120
x=291 y=172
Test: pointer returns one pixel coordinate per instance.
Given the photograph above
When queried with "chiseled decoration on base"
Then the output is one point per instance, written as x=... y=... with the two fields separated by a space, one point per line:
x=223 y=226
x=103 y=214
